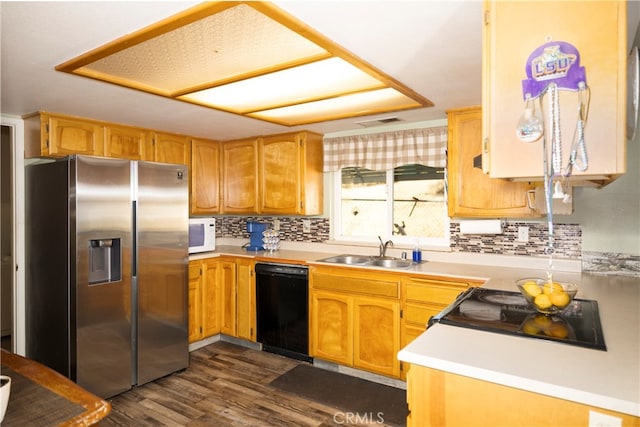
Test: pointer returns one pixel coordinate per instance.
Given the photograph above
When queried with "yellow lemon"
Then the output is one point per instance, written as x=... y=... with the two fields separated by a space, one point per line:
x=559 y=330
x=550 y=287
x=532 y=289
x=542 y=301
x=559 y=298
x=542 y=321
x=530 y=328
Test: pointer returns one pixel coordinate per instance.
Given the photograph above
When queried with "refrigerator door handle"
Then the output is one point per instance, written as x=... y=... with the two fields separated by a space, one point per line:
x=134 y=330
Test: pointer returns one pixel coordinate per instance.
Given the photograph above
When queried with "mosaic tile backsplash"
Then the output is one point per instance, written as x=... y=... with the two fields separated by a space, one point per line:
x=291 y=228
x=568 y=236
x=568 y=241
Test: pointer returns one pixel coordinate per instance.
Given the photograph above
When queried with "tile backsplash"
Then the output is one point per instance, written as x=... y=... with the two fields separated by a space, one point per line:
x=291 y=228
x=568 y=241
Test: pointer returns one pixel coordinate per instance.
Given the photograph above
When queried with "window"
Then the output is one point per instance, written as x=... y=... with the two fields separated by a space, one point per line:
x=406 y=204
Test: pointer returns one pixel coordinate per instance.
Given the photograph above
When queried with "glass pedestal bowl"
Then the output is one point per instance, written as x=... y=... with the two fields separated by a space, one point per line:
x=547 y=297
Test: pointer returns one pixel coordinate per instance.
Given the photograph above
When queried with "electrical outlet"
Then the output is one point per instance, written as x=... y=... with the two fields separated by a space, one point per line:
x=596 y=419
x=523 y=234
x=276 y=225
x=306 y=226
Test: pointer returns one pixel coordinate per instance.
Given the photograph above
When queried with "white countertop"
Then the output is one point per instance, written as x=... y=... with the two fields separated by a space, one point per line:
x=604 y=379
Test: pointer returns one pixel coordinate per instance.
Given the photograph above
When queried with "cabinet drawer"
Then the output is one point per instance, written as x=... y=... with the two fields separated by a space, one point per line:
x=420 y=314
x=361 y=285
x=434 y=291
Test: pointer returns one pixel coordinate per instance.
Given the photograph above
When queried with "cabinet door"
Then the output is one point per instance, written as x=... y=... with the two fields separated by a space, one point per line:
x=331 y=327
x=66 y=136
x=170 y=148
x=280 y=174
x=246 y=288
x=471 y=192
x=125 y=142
x=195 y=301
x=240 y=172
x=291 y=177
x=228 y=295
x=513 y=30
x=376 y=335
x=424 y=297
x=205 y=177
x=211 y=301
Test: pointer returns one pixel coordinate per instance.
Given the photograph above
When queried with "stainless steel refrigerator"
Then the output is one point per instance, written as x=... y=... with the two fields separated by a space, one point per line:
x=107 y=270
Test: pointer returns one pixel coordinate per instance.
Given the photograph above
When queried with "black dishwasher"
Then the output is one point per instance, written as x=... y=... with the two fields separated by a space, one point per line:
x=282 y=304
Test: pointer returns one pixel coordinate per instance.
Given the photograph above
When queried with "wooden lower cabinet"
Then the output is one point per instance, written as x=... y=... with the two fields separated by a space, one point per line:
x=424 y=297
x=355 y=319
x=195 y=302
x=331 y=327
x=376 y=335
x=204 y=299
x=443 y=399
x=246 y=299
x=222 y=298
x=228 y=297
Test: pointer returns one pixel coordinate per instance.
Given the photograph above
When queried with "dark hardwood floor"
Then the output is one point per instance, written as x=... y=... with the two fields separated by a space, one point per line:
x=225 y=385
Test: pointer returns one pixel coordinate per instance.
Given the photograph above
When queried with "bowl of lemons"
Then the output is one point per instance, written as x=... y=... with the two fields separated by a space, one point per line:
x=547 y=296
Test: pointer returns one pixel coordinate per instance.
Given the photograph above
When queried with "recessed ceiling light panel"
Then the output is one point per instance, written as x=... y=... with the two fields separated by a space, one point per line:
x=248 y=58
x=314 y=81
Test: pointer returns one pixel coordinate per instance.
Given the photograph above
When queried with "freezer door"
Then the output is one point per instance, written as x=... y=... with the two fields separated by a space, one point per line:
x=103 y=244
x=162 y=219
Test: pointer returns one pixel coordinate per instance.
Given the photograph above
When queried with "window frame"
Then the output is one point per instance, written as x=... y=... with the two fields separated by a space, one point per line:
x=398 y=240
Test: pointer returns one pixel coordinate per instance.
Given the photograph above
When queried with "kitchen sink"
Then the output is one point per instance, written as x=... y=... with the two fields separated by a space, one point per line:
x=390 y=263
x=372 y=261
x=348 y=259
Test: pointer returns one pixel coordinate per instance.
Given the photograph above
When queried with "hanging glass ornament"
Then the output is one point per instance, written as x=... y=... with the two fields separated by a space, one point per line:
x=530 y=126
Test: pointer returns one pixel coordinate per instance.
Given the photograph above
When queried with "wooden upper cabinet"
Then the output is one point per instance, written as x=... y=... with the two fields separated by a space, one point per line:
x=58 y=136
x=471 y=192
x=291 y=174
x=240 y=176
x=515 y=29
x=171 y=148
x=126 y=142
x=205 y=177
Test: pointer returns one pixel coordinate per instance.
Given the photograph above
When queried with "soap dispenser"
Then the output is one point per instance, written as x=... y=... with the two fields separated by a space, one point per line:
x=417 y=253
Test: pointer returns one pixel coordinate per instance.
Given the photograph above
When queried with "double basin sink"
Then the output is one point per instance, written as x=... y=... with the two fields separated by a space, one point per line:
x=369 y=261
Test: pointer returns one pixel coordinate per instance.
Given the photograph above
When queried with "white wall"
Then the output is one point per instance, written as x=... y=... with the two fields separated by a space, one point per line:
x=610 y=216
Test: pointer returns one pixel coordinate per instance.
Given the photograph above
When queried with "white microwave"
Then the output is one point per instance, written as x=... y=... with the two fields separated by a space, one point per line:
x=202 y=235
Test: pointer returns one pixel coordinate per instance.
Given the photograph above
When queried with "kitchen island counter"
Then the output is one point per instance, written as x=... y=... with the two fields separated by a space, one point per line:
x=603 y=379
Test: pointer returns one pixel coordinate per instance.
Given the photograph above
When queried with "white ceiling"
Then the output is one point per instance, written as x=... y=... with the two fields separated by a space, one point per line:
x=433 y=47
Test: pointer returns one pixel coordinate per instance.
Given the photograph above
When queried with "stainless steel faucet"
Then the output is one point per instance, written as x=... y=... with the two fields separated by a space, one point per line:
x=383 y=246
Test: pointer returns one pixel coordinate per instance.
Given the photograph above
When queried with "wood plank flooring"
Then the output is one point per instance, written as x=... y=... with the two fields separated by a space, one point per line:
x=225 y=385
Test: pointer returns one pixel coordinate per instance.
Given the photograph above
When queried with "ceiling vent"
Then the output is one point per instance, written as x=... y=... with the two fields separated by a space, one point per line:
x=379 y=122
x=247 y=58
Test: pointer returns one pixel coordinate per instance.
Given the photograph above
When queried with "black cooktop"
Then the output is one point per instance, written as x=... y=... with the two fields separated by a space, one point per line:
x=509 y=313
